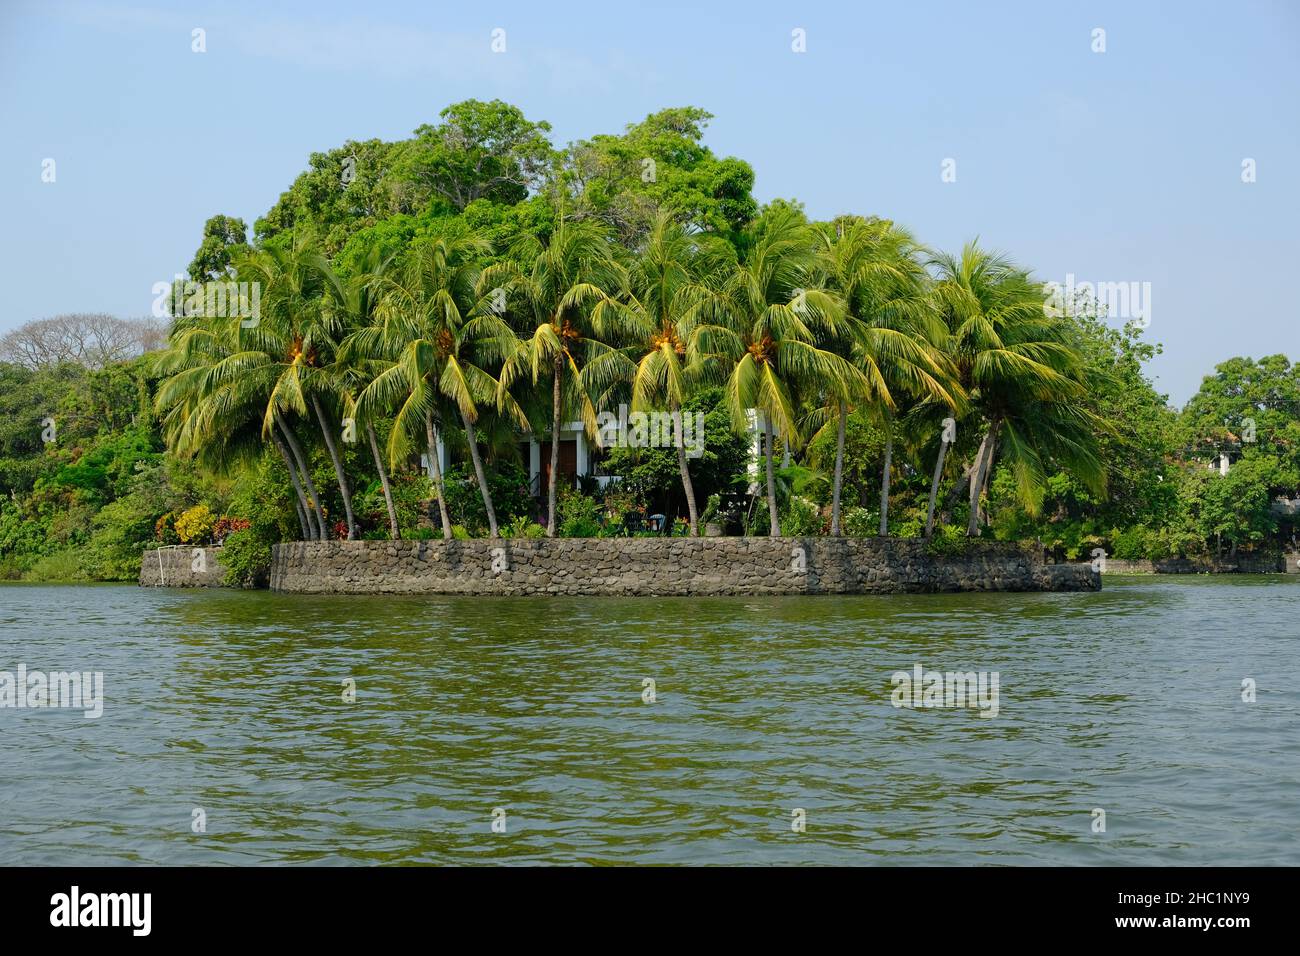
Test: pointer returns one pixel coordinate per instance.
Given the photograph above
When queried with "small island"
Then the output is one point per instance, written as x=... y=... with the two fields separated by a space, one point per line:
x=552 y=356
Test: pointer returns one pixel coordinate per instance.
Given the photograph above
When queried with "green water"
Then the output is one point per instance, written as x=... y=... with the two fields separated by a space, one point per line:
x=1127 y=700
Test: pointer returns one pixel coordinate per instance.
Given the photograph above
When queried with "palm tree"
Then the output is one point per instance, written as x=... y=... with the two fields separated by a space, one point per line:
x=354 y=302
x=673 y=272
x=565 y=298
x=299 y=334
x=1023 y=372
x=430 y=334
x=878 y=269
x=219 y=403
x=763 y=331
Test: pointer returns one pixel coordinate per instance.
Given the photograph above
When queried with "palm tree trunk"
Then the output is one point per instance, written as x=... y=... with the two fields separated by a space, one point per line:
x=302 y=516
x=338 y=466
x=973 y=488
x=934 y=487
x=555 y=446
x=983 y=468
x=687 y=487
x=300 y=501
x=774 y=528
x=478 y=473
x=383 y=481
x=884 y=481
x=838 y=480
x=435 y=476
x=958 y=489
x=312 y=495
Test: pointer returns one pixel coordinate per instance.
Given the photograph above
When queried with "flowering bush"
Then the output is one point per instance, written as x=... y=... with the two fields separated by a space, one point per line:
x=195 y=525
x=227 y=525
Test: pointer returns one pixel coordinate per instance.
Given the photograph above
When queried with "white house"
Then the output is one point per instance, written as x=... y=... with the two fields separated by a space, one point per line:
x=578 y=457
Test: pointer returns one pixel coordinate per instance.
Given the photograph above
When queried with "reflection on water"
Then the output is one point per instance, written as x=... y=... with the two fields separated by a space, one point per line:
x=1127 y=700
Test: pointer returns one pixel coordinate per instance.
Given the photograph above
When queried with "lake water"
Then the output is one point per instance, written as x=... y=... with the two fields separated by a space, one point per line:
x=230 y=703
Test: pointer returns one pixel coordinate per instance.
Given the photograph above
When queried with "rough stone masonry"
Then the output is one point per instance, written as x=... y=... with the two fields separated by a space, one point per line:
x=182 y=567
x=665 y=567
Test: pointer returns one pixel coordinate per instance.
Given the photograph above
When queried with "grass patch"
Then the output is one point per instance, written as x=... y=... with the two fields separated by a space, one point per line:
x=58 y=567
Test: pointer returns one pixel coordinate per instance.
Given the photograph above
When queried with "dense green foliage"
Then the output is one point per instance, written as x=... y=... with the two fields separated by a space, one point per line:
x=473 y=284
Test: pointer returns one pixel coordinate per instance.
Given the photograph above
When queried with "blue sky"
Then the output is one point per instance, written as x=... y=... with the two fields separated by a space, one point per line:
x=1117 y=166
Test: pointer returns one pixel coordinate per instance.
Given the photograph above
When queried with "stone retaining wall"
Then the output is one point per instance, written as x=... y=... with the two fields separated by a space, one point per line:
x=664 y=566
x=1243 y=564
x=182 y=567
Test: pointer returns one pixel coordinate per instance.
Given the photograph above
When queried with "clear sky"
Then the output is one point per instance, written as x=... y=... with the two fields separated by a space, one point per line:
x=1117 y=166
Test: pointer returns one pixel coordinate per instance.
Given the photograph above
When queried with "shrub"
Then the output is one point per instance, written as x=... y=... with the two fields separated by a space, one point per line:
x=266 y=499
x=910 y=525
x=522 y=527
x=122 y=530
x=508 y=484
x=58 y=567
x=802 y=517
x=195 y=525
x=411 y=497
x=246 y=557
x=859 y=522
x=579 y=516
x=164 y=529
x=947 y=540
x=1129 y=544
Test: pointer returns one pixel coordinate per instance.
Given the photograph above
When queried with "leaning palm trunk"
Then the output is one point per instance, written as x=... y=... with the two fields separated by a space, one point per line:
x=775 y=520
x=983 y=470
x=973 y=487
x=300 y=500
x=312 y=495
x=959 y=488
x=884 y=482
x=315 y=528
x=934 y=488
x=383 y=481
x=687 y=487
x=839 y=471
x=338 y=466
x=478 y=473
x=302 y=516
x=555 y=446
x=435 y=476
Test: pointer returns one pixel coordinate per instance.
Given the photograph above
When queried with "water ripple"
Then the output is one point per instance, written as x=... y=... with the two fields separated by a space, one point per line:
x=1128 y=700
